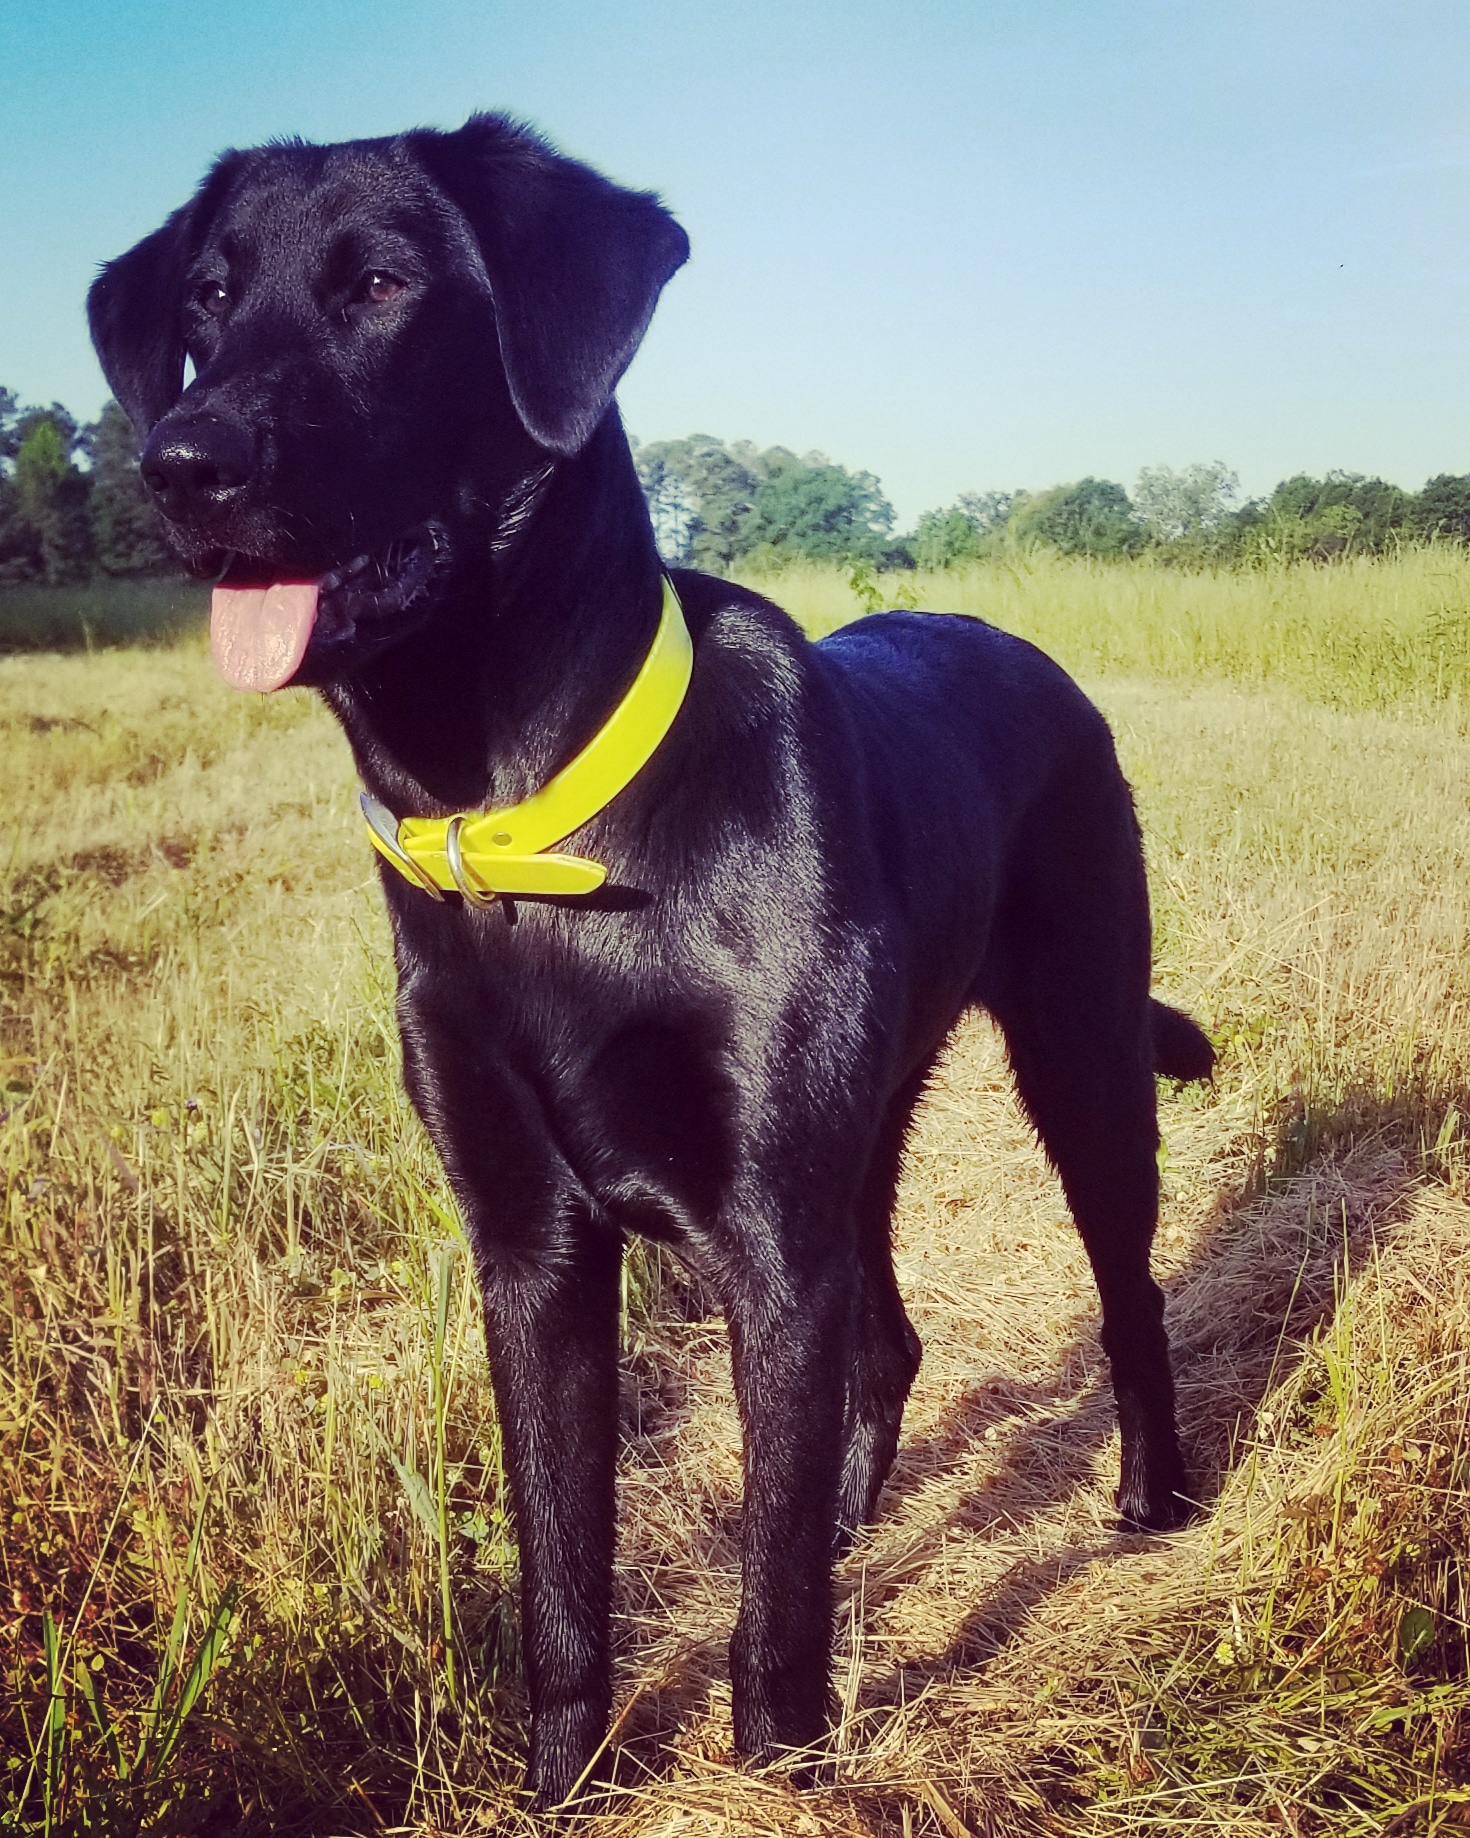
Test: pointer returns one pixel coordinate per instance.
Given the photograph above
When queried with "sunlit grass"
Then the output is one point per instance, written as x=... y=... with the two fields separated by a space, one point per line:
x=237 y=1288
x=1359 y=634
x=235 y=1301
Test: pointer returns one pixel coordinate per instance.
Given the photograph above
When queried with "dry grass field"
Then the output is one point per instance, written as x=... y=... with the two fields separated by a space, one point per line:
x=257 y=1574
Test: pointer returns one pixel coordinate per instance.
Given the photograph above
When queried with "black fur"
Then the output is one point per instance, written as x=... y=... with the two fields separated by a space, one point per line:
x=408 y=347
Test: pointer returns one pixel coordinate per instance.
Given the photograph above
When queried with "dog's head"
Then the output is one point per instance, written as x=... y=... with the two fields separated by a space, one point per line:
x=387 y=337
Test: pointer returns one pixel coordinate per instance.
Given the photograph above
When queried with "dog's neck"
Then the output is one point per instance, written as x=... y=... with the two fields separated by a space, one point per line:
x=528 y=657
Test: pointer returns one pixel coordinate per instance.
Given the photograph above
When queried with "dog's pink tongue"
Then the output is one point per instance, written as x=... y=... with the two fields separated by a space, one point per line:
x=259 y=635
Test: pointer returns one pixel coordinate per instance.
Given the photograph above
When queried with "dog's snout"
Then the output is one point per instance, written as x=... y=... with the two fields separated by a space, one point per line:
x=197 y=468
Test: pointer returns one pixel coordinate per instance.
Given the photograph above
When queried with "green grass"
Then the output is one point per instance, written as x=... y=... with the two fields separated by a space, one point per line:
x=1390 y=633
x=101 y=616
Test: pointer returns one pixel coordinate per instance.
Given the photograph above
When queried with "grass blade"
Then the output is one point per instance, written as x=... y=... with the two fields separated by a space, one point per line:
x=206 y=1661
x=54 y=1728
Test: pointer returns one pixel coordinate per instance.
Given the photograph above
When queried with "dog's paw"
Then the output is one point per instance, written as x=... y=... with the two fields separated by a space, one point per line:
x=1162 y=1512
x=566 y=1759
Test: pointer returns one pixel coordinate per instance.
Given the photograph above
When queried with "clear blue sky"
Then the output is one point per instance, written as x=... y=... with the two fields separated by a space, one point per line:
x=965 y=246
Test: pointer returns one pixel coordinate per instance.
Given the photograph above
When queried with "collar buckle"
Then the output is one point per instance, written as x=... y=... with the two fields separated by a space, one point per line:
x=384 y=826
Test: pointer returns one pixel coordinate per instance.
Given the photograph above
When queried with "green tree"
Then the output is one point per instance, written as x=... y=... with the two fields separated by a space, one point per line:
x=60 y=418
x=20 y=558
x=1311 y=519
x=1442 y=509
x=127 y=532
x=1092 y=517
x=10 y=412
x=715 y=502
x=1178 y=505
x=51 y=498
x=20 y=552
x=671 y=503
x=701 y=494
x=974 y=525
x=811 y=509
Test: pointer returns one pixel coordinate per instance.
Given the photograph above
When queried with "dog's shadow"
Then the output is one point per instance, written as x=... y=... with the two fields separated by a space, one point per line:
x=1263 y=1271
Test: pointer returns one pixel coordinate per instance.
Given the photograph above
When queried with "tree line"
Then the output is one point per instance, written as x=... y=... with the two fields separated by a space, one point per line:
x=717 y=504
x=73 y=506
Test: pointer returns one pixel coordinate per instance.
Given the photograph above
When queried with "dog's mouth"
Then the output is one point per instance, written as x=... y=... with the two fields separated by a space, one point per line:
x=263 y=624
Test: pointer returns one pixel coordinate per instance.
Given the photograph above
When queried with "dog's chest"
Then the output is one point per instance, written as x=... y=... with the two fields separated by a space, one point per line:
x=586 y=1045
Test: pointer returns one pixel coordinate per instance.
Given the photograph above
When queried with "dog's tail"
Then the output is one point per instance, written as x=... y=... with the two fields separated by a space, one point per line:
x=1182 y=1049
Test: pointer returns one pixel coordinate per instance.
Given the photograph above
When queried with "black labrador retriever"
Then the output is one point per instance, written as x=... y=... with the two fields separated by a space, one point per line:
x=400 y=447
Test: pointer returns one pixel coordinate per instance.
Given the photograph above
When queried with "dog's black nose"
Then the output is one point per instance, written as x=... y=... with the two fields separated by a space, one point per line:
x=195 y=468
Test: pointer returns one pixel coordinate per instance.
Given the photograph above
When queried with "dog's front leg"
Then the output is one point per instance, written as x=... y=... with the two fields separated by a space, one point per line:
x=551 y=1319
x=549 y=1270
x=789 y=1340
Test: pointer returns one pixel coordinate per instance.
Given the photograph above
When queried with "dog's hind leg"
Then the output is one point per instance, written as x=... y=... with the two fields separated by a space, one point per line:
x=886 y=1350
x=1068 y=983
x=1094 y=1111
x=1108 y=1167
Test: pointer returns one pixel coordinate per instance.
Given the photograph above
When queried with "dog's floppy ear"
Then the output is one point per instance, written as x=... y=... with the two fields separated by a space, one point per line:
x=135 y=309
x=575 y=265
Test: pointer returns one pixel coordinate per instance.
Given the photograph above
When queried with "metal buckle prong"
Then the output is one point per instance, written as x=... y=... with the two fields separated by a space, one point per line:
x=384 y=825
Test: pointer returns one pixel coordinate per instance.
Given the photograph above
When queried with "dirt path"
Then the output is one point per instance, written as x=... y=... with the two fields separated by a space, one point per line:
x=997 y=1538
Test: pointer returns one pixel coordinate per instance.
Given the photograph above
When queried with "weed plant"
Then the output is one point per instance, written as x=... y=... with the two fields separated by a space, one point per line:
x=256 y=1570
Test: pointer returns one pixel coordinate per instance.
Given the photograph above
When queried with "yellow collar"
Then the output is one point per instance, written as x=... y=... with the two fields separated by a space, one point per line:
x=483 y=855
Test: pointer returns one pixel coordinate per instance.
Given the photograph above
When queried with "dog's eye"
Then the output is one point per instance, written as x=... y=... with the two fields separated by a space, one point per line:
x=377 y=288
x=214 y=299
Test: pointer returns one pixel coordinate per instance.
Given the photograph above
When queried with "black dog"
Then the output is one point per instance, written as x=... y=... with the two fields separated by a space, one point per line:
x=405 y=353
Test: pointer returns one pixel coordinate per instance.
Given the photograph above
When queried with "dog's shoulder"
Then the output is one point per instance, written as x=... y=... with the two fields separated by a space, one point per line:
x=747 y=641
